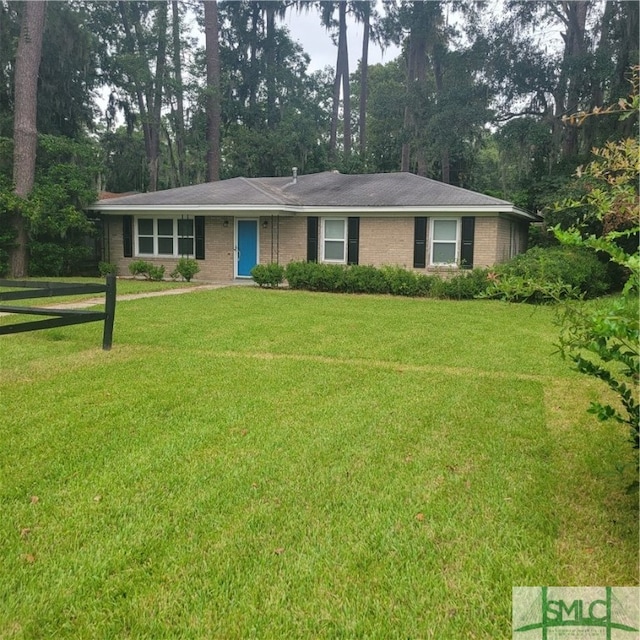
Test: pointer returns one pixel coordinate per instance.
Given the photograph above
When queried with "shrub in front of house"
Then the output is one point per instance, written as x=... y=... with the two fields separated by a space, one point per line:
x=313 y=276
x=139 y=268
x=147 y=270
x=156 y=273
x=268 y=275
x=186 y=269
x=106 y=268
x=465 y=285
x=361 y=278
x=402 y=282
x=550 y=273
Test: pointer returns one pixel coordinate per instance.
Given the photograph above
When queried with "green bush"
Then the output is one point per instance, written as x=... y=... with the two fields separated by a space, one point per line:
x=268 y=275
x=186 y=269
x=360 y=278
x=402 y=282
x=4 y=262
x=106 y=268
x=156 y=273
x=463 y=286
x=294 y=274
x=54 y=259
x=147 y=270
x=140 y=268
x=546 y=274
x=313 y=276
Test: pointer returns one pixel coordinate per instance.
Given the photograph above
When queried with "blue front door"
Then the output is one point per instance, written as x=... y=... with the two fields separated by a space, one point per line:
x=247 y=252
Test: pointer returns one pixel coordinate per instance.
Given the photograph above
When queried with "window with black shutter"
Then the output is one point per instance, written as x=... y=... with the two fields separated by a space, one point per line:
x=127 y=236
x=420 y=243
x=353 y=240
x=312 y=239
x=199 y=224
x=467 y=238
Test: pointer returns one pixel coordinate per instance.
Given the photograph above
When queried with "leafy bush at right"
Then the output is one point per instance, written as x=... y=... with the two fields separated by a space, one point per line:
x=547 y=274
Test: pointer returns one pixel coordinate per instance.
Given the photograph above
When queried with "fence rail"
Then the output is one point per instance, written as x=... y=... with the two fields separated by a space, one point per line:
x=59 y=317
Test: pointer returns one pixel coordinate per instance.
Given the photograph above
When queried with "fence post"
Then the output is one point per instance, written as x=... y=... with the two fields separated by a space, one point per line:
x=110 y=312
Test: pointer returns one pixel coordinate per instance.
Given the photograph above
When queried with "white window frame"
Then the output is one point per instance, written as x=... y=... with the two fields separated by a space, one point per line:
x=344 y=240
x=176 y=253
x=456 y=242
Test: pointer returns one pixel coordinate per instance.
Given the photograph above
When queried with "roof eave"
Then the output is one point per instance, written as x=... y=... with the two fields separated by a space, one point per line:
x=288 y=210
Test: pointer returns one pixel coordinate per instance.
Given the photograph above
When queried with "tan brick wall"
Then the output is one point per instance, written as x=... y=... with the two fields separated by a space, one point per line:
x=389 y=241
x=484 y=244
x=383 y=241
x=507 y=228
x=503 y=244
x=283 y=240
x=217 y=267
x=386 y=241
x=218 y=250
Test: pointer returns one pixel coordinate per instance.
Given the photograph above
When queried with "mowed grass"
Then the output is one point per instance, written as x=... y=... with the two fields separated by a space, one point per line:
x=124 y=286
x=275 y=464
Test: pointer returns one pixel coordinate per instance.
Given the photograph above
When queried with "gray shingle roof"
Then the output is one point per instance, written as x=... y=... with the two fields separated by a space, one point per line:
x=328 y=189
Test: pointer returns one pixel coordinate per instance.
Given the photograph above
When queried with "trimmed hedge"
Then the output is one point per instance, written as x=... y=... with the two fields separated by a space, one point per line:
x=314 y=276
x=268 y=275
x=539 y=275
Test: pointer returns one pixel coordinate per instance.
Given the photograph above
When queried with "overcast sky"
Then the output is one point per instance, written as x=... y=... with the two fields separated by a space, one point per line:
x=306 y=29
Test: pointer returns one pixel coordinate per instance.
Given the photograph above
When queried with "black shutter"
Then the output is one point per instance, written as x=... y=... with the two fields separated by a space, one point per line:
x=353 y=240
x=420 y=243
x=466 y=252
x=199 y=233
x=312 y=239
x=127 y=236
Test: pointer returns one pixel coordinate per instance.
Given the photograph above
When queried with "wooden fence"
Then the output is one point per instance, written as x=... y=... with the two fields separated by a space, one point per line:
x=60 y=317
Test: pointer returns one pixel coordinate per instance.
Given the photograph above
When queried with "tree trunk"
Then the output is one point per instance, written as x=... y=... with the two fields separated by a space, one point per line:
x=364 y=88
x=131 y=50
x=213 y=89
x=179 y=115
x=335 y=110
x=438 y=72
x=416 y=77
x=172 y=160
x=405 y=159
x=346 y=90
x=270 y=58
x=25 y=133
x=574 y=49
x=156 y=106
x=254 y=64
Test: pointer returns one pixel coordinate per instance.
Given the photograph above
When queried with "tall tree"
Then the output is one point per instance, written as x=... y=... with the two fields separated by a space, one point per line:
x=363 y=11
x=551 y=82
x=25 y=133
x=144 y=42
x=155 y=128
x=341 y=78
x=178 y=115
x=422 y=22
x=213 y=89
x=272 y=9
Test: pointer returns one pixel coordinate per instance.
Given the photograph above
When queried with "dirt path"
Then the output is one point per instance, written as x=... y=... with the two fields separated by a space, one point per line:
x=92 y=302
x=137 y=296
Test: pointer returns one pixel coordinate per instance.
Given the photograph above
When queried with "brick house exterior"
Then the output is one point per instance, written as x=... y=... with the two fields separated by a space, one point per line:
x=374 y=219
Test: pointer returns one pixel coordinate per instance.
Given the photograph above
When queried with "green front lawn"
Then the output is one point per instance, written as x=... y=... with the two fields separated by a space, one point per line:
x=274 y=464
x=124 y=286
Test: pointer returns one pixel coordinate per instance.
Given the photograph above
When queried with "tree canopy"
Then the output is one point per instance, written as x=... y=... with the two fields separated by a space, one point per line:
x=475 y=99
